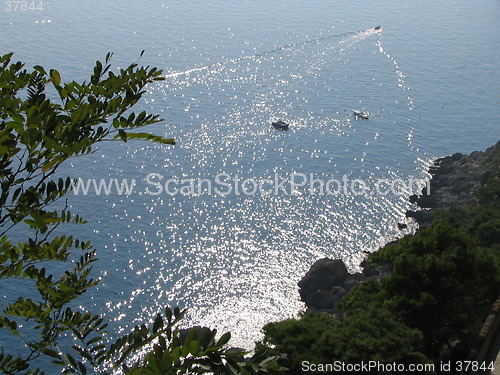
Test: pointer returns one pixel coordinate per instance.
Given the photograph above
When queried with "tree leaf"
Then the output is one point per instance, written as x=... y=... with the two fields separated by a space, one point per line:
x=55 y=76
x=158 y=324
x=224 y=339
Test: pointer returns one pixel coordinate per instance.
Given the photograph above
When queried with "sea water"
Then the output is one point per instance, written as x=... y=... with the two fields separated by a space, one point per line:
x=428 y=80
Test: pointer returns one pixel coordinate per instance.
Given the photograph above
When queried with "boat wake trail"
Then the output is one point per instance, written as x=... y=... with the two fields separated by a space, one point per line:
x=280 y=83
x=347 y=37
x=401 y=77
x=404 y=86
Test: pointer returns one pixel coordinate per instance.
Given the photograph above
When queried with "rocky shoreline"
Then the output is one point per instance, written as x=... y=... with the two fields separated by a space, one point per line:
x=454 y=181
x=327 y=281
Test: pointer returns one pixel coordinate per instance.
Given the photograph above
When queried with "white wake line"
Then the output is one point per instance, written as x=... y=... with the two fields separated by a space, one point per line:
x=400 y=74
x=360 y=35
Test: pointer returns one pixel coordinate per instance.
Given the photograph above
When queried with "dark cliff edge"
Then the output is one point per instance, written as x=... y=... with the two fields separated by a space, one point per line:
x=455 y=181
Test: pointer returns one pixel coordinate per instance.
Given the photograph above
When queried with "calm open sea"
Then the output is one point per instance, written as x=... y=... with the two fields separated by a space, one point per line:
x=429 y=80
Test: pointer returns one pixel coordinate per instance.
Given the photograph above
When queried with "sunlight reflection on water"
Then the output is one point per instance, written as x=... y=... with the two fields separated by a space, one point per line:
x=236 y=260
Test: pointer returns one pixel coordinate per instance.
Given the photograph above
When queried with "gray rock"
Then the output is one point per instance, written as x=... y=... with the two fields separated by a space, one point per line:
x=328 y=281
x=320 y=300
x=375 y=277
x=385 y=269
x=338 y=293
x=324 y=275
x=349 y=284
x=369 y=270
x=358 y=276
x=423 y=217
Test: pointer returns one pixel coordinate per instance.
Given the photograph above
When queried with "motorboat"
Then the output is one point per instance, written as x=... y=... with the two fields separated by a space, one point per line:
x=361 y=115
x=280 y=125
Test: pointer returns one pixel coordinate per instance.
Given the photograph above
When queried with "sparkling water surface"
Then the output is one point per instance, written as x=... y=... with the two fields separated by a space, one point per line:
x=428 y=80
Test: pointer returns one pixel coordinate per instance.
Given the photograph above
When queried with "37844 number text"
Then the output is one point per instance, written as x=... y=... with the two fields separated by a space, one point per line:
x=23 y=6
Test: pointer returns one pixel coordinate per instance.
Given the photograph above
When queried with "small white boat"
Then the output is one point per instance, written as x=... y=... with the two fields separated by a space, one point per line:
x=280 y=125
x=361 y=115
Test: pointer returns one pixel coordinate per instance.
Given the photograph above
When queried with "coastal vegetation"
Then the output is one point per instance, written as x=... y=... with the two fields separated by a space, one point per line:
x=44 y=268
x=428 y=309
